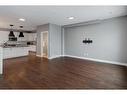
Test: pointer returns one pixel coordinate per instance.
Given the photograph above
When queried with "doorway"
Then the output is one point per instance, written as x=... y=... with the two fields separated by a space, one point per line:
x=45 y=44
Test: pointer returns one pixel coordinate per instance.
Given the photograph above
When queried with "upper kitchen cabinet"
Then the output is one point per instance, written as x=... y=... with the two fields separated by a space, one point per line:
x=32 y=36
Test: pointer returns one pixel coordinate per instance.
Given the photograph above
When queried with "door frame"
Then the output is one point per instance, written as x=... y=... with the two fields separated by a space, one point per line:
x=42 y=44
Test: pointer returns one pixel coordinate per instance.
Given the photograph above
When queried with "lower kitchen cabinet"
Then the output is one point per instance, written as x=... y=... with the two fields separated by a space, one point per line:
x=17 y=51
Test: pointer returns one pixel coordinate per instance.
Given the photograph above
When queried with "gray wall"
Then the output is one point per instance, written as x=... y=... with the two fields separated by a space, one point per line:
x=40 y=29
x=54 y=39
x=109 y=40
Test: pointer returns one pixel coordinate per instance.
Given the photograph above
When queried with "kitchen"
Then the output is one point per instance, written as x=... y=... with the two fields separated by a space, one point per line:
x=16 y=43
x=43 y=47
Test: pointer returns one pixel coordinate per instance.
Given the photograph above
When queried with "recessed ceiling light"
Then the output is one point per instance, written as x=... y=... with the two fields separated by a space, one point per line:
x=22 y=19
x=70 y=18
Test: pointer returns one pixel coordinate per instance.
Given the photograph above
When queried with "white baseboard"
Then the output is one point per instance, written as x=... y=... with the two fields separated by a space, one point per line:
x=38 y=55
x=55 y=56
x=98 y=60
x=91 y=59
x=50 y=57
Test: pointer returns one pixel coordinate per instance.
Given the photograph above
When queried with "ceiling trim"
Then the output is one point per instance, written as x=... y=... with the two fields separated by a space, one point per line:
x=97 y=21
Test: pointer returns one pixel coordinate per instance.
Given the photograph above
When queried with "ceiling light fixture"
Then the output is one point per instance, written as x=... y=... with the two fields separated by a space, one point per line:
x=22 y=19
x=11 y=34
x=70 y=18
x=21 y=33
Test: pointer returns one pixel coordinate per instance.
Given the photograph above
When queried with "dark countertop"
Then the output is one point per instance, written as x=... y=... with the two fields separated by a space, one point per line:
x=17 y=46
x=14 y=46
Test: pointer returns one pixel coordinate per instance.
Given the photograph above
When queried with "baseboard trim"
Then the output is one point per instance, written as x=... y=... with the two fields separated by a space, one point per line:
x=15 y=57
x=98 y=60
x=90 y=59
x=50 y=57
x=38 y=55
x=55 y=56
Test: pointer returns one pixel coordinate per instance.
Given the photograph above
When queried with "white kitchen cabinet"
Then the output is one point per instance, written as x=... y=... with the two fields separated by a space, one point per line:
x=32 y=48
x=32 y=36
x=1 y=60
x=15 y=52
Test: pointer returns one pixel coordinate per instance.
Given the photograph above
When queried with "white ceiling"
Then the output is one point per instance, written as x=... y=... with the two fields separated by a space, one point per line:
x=38 y=15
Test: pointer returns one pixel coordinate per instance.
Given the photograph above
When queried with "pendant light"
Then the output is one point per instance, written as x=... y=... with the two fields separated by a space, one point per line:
x=11 y=34
x=21 y=33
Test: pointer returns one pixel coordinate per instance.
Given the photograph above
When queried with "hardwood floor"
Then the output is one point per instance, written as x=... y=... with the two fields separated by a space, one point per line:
x=61 y=73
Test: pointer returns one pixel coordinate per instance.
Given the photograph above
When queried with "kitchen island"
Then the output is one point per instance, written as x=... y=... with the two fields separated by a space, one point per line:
x=14 y=51
x=17 y=51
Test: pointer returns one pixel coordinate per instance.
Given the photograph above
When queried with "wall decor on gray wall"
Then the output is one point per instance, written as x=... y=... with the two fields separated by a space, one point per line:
x=109 y=38
x=87 y=41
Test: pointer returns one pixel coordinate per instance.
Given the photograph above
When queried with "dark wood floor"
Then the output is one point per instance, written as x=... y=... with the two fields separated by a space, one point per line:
x=61 y=73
